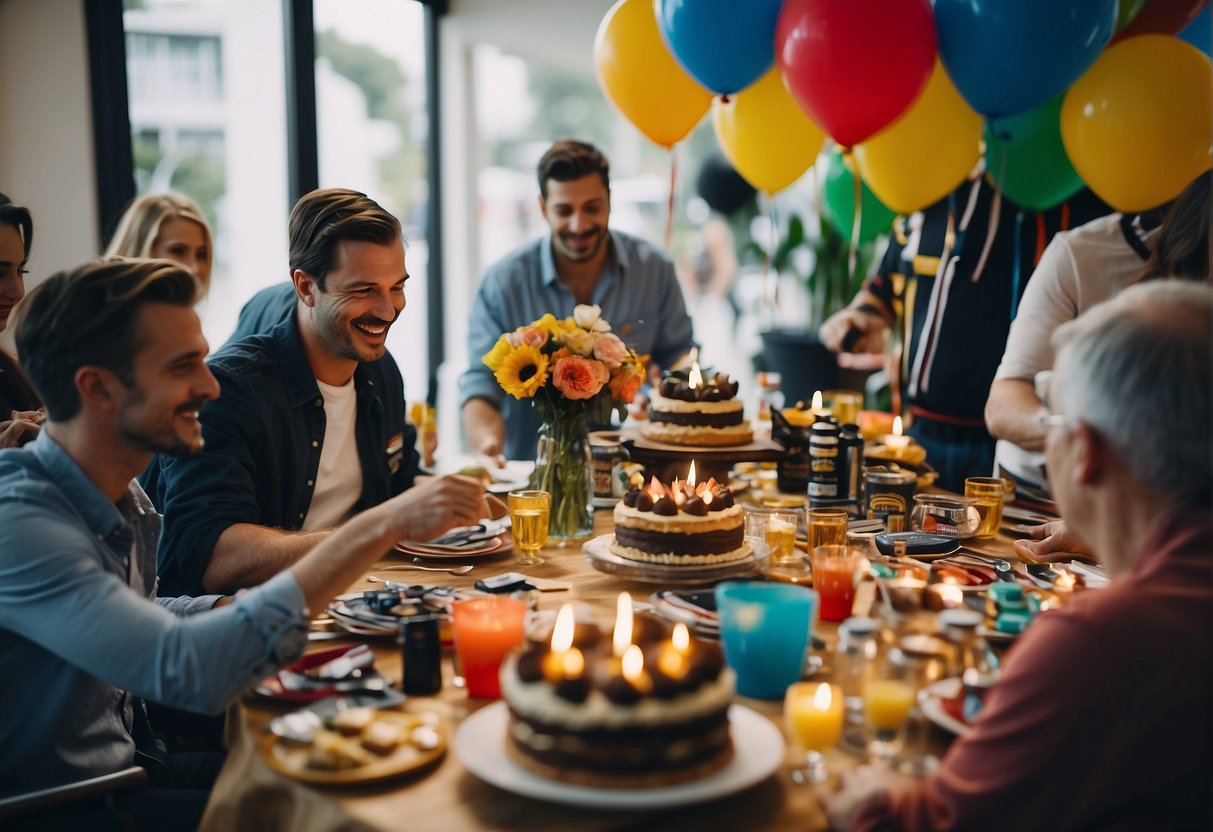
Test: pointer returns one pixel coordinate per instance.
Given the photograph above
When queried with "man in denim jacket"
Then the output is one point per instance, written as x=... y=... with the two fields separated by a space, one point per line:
x=311 y=425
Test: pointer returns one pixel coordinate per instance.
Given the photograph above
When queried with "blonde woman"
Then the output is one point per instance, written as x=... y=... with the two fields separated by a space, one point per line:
x=170 y=226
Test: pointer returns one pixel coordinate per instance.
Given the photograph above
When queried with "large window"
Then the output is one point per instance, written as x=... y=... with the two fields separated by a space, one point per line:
x=372 y=131
x=206 y=85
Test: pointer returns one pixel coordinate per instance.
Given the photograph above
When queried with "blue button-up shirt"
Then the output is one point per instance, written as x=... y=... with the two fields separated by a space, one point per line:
x=264 y=435
x=82 y=632
x=639 y=296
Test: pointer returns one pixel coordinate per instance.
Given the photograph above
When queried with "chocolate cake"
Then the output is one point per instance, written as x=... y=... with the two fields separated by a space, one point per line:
x=691 y=411
x=683 y=524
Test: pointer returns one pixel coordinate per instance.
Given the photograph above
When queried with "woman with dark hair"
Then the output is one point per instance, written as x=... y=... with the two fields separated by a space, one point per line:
x=1181 y=247
x=20 y=408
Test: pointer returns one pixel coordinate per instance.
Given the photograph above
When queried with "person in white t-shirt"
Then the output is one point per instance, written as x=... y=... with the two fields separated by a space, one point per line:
x=1079 y=269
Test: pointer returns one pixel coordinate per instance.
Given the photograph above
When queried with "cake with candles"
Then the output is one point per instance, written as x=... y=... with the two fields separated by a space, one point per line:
x=646 y=706
x=682 y=524
x=695 y=410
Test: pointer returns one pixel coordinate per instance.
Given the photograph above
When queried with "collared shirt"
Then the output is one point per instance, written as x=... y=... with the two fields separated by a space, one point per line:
x=82 y=631
x=639 y=296
x=264 y=436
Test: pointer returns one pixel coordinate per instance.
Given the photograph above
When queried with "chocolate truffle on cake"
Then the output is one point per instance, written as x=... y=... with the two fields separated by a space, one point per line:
x=697 y=411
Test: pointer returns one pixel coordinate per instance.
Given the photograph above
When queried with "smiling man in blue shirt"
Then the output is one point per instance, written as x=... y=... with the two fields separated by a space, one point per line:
x=116 y=352
x=581 y=261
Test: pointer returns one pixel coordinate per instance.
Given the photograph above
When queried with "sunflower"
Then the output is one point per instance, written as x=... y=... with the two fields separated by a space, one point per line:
x=497 y=354
x=522 y=372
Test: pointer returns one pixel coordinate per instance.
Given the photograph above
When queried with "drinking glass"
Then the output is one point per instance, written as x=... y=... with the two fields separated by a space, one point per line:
x=529 y=513
x=827 y=527
x=834 y=575
x=777 y=528
x=988 y=492
x=764 y=630
x=845 y=404
x=485 y=630
x=814 y=716
x=887 y=699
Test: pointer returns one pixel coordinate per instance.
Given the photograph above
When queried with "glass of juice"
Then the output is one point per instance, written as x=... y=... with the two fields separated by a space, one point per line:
x=529 y=514
x=835 y=570
x=988 y=492
x=814 y=714
x=887 y=699
x=827 y=527
x=485 y=630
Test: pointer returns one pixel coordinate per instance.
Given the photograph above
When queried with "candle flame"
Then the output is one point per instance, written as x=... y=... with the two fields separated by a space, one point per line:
x=656 y=490
x=562 y=633
x=951 y=595
x=633 y=663
x=707 y=498
x=691 y=474
x=681 y=637
x=572 y=663
x=817 y=400
x=1064 y=581
x=696 y=378
x=823 y=697
x=623 y=624
x=897 y=426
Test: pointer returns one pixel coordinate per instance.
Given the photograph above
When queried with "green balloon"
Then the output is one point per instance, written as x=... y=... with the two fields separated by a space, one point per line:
x=1025 y=155
x=838 y=203
x=1126 y=11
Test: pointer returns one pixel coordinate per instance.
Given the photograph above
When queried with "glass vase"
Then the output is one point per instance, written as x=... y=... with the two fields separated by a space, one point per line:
x=564 y=468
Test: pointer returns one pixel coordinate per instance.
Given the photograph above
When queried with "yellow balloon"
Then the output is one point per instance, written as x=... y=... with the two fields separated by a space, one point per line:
x=641 y=77
x=1139 y=124
x=765 y=134
x=929 y=150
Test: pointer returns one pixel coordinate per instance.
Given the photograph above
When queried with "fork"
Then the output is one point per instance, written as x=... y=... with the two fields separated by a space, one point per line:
x=451 y=570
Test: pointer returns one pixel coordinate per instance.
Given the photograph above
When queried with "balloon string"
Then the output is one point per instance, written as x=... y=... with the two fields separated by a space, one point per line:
x=669 y=206
x=991 y=233
x=1017 y=264
x=773 y=227
x=856 y=220
x=1041 y=237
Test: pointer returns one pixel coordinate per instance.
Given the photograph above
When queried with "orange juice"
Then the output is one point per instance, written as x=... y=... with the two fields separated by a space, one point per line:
x=886 y=703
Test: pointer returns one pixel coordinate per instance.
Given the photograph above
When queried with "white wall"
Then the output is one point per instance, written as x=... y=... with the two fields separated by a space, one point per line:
x=46 y=130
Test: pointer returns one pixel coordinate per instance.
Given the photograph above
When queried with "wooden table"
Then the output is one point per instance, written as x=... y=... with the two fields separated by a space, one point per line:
x=249 y=795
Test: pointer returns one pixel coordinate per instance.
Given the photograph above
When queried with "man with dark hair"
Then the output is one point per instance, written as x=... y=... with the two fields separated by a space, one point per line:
x=117 y=354
x=311 y=425
x=581 y=261
x=1102 y=716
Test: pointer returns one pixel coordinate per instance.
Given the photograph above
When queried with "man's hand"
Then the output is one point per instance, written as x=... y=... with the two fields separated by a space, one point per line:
x=16 y=432
x=485 y=431
x=856 y=787
x=871 y=329
x=1051 y=542
x=440 y=504
x=489 y=453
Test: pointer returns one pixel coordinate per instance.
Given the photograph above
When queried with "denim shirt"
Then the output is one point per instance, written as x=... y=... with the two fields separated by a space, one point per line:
x=83 y=633
x=640 y=299
x=263 y=440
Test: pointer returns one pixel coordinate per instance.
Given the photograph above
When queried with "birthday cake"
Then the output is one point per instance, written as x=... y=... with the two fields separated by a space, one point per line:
x=585 y=711
x=683 y=524
x=697 y=411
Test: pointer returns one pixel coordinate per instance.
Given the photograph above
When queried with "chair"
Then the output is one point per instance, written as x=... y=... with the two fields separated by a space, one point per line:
x=103 y=785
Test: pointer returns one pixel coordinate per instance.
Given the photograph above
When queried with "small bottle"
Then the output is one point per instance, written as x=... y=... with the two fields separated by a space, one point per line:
x=854 y=656
x=421 y=655
x=850 y=453
x=976 y=664
x=823 y=462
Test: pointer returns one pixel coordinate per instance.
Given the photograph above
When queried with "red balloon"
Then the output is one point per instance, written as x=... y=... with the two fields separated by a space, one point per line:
x=855 y=65
x=1163 y=17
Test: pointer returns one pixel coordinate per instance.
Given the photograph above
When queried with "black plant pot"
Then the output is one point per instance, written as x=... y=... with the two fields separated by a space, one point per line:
x=803 y=362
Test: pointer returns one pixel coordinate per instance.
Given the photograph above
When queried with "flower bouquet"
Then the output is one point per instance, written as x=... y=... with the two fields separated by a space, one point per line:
x=574 y=370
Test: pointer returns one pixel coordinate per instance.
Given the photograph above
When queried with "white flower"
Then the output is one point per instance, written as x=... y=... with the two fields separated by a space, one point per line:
x=579 y=342
x=590 y=318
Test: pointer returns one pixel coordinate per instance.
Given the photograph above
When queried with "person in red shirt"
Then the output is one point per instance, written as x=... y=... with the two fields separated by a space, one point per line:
x=1103 y=715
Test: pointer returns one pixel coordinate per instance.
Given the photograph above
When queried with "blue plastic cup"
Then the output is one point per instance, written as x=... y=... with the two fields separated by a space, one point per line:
x=764 y=628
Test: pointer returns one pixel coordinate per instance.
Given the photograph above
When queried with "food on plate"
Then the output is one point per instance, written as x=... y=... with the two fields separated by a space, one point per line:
x=382 y=738
x=681 y=524
x=334 y=752
x=697 y=411
x=354 y=721
x=656 y=715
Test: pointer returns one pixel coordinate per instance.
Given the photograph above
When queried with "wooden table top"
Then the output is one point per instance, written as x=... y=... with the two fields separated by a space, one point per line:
x=447 y=797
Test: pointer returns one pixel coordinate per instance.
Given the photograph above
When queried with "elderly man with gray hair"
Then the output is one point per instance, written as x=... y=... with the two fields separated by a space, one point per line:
x=1103 y=715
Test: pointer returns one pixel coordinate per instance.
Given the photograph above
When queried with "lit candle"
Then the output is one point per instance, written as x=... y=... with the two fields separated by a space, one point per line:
x=691 y=475
x=817 y=720
x=557 y=663
x=695 y=379
x=633 y=669
x=674 y=656
x=819 y=409
x=1063 y=586
x=622 y=637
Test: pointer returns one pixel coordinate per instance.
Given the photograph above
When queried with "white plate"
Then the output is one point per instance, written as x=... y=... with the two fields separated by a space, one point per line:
x=598 y=553
x=758 y=752
x=932 y=708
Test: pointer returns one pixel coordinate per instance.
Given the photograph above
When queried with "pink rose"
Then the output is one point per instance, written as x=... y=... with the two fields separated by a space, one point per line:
x=579 y=378
x=609 y=349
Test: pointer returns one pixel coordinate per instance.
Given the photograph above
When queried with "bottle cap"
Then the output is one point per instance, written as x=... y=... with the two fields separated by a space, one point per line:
x=858 y=625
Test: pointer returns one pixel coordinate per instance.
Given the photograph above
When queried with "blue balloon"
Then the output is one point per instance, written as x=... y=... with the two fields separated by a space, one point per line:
x=1009 y=56
x=725 y=45
x=1199 y=32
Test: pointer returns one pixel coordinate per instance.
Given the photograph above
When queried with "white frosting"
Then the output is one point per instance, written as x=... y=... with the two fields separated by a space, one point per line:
x=659 y=403
x=674 y=559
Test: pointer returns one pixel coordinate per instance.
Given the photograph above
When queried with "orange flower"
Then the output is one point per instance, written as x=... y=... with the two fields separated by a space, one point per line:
x=627 y=382
x=579 y=378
